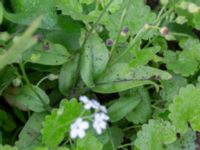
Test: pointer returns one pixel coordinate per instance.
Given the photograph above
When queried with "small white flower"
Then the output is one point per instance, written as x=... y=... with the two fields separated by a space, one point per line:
x=78 y=128
x=100 y=122
x=92 y=104
x=86 y=101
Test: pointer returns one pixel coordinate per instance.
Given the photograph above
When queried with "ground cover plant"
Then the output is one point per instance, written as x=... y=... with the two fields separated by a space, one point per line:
x=99 y=75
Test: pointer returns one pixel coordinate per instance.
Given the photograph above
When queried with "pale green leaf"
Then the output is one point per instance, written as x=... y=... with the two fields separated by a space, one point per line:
x=181 y=62
x=121 y=107
x=68 y=75
x=170 y=88
x=33 y=98
x=94 y=59
x=30 y=135
x=58 y=122
x=7 y=147
x=55 y=55
x=185 y=142
x=121 y=76
x=143 y=110
x=184 y=110
x=154 y=135
x=27 y=11
x=89 y=142
x=16 y=50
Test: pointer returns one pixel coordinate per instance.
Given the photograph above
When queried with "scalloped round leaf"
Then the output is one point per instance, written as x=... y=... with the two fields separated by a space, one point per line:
x=185 y=142
x=154 y=135
x=7 y=147
x=58 y=122
x=181 y=62
x=185 y=109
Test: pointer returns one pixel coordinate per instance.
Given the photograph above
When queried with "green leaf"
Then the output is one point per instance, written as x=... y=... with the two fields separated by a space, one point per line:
x=185 y=109
x=93 y=60
x=143 y=56
x=30 y=137
x=170 y=88
x=117 y=110
x=121 y=76
x=27 y=11
x=58 y=122
x=36 y=100
x=1 y=13
x=68 y=75
x=7 y=147
x=116 y=136
x=6 y=76
x=181 y=62
x=16 y=50
x=71 y=7
x=142 y=15
x=142 y=112
x=6 y=121
x=55 y=55
x=185 y=142
x=88 y=143
x=154 y=135
x=86 y=1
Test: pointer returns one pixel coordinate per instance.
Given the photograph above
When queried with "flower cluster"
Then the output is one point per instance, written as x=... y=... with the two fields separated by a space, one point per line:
x=99 y=118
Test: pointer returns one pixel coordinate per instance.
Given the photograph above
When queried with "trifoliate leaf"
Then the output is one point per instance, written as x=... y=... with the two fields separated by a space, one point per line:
x=184 y=111
x=185 y=142
x=181 y=62
x=89 y=142
x=154 y=135
x=170 y=88
x=58 y=122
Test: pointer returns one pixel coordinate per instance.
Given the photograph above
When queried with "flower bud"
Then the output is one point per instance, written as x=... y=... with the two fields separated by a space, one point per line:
x=52 y=77
x=193 y=8
x=164 y=2
x=146 y=26
x=109 y=42
x=164 y=31
x=17 y=82
x=124 y=31
x=181 y=19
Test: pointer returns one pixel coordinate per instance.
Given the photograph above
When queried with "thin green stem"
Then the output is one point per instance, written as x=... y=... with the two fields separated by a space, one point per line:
x=25 y=77
x=95 y=24
x=120 y=29
x=41 y=80
x=125 y=145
